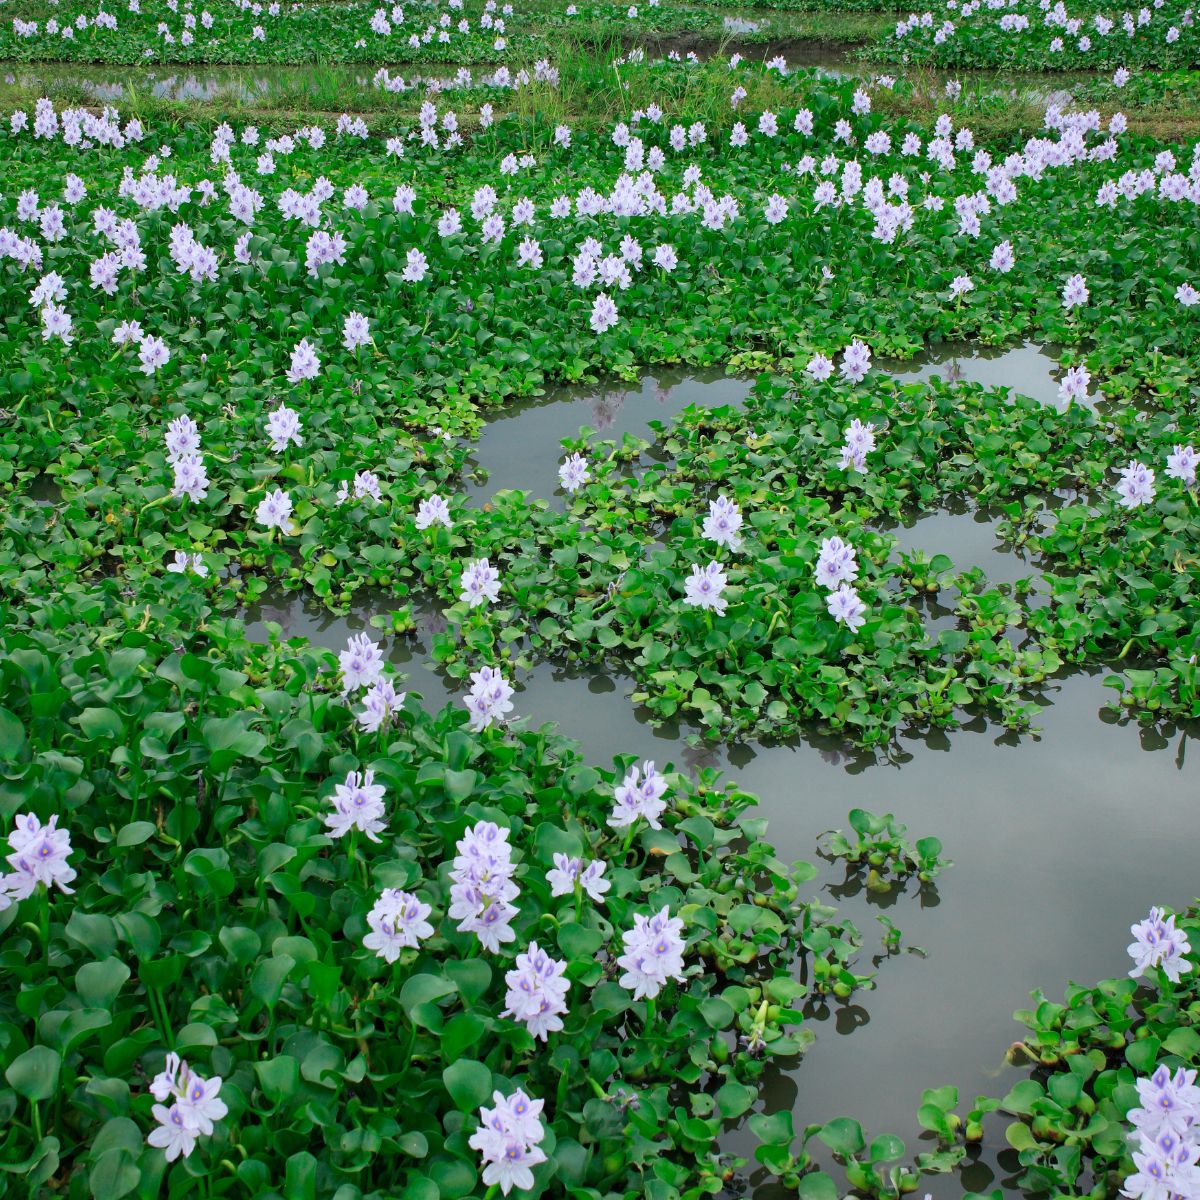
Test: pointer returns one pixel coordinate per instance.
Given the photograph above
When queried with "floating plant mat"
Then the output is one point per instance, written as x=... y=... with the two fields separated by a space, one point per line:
x=1047 y=838
x=521 y=446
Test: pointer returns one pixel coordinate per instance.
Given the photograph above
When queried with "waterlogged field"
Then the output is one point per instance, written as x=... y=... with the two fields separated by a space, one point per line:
x=589 y=618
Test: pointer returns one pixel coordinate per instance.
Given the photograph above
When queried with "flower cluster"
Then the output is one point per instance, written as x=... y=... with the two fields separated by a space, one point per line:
x=490 y=698
x=1157 y=943
x=1166 y=1127
x=703 y=588
x=361 y=666
x=653 y=953
x=480 y=583
x=483 y=890
x=574 y=472
x=639 y=794
x=508 y=1138
x=537 y=992
x=859 y=442
x=398 y=922
x=1136 y=485
x=39 y=856
x=723 y=523
x=194 y=1106
x=570 y=876
x=357 y=804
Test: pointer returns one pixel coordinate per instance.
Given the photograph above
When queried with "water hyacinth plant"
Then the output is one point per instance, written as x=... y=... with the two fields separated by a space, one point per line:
x=275 y=919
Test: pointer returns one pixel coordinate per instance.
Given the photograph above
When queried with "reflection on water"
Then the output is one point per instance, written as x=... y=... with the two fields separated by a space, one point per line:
x=247 y=85
x=1030 y=370
x=521 y=446
x=1051 y=839
x=968 y=538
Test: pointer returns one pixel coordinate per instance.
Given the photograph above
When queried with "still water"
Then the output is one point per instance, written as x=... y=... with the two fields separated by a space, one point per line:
x=1060 y=840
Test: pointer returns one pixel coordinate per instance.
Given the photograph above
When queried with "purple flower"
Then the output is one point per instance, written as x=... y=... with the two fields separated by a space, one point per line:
x=846 y=608
x=704 y=587
x=480 y=583
x=836 y=563
x=398 y=922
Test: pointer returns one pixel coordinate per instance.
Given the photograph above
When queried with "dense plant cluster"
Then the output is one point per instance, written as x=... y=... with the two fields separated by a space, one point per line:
x=272 y=923
x=216 y=914
x=228 y=31
x=1045 y=36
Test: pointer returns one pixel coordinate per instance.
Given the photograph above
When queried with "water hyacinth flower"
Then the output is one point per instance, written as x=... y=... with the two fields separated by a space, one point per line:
x=859 y=442
x=191 y=477
x=856 y=362
x=1136 y=486
x=847 y=608
x=398 y=922
x=604 y=313
x=574 y=472
x=723 y=523
x=820 y=367
x=380 y=705
x=508 y=1140
x=1158 y=943
x=357 y=804
x=305 y=363
x=356 y=331
x=489 y=700
x=836 y=563
x=537 y=992
x=482 y=890
x=361 y=663
x=640 y=794
x=275 y=511
x=39 y=856
x=182 y=438
x=185 y=562
x=568 y=874
x=1181 y=464
x=283 y=428
x=195 y=1107
x=1074 y=385
x=653 y=954
x=434 y=511
x=1165 y=1127
x=1075 y=292
x=153 y=354
x=480 y=583
x=704 y=587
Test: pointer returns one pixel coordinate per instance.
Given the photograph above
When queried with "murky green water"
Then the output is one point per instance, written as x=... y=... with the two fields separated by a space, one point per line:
x=1060 y=841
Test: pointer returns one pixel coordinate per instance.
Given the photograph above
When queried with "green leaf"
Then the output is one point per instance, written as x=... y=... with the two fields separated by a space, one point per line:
x=734 y=1098
x=817 y=1186
x=843 y=1135
x=98 y=983
x=114 y=1174
x=774 y=1129
x=717 y=1013
x=459 y=784
x=34 y=1074
x=279 y=1077
x=135 y=833
x=269 y=977
x=469 y=1083
x=12 y=735
x=578 y=942
x=424 y=989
